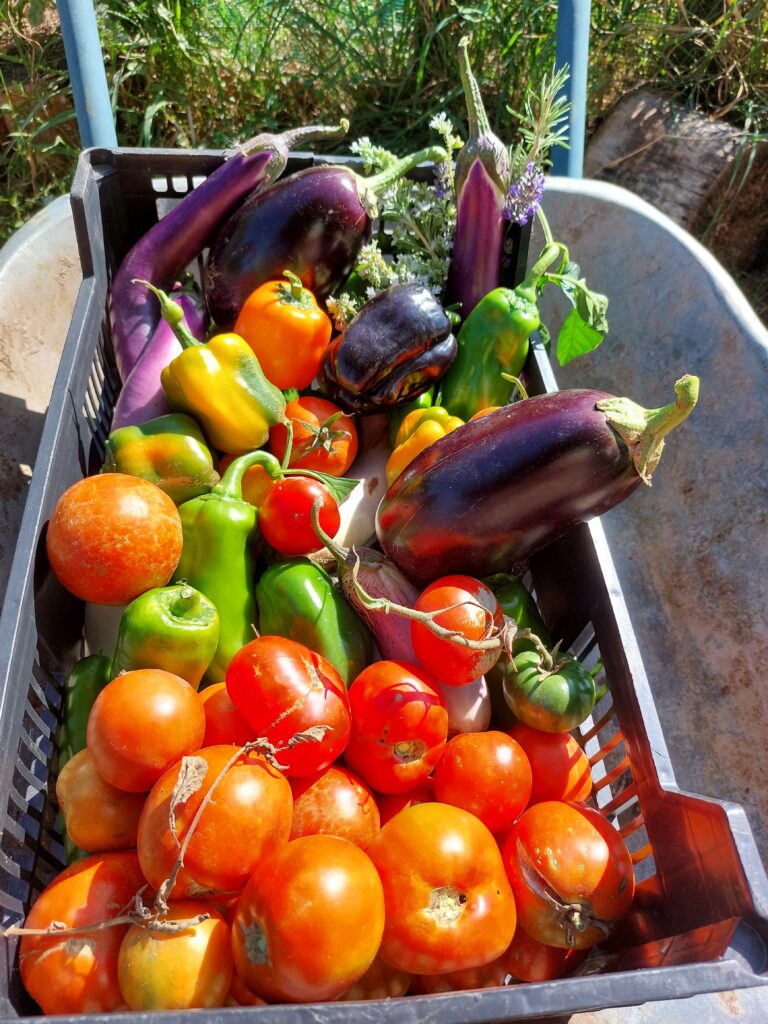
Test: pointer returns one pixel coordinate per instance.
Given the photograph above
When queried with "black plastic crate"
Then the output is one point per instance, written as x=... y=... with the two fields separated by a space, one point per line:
x=700 y=918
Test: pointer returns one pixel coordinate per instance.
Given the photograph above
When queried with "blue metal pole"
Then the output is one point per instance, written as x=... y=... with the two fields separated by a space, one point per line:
x=573 y=50
x=86 y=71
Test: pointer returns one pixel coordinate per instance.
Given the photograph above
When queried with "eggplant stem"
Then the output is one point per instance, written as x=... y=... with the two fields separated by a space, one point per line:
x=173 y=314
x=476 y=114
x=643 y=430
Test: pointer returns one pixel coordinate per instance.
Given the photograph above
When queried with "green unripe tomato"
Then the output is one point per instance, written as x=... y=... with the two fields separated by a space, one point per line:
x=553 y=700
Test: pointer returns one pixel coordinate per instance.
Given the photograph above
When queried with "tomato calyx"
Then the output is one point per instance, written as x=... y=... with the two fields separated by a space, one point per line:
x=322 y=437
x=255 y=943
x=574 y=917
x=409 y=750
x=446 y=904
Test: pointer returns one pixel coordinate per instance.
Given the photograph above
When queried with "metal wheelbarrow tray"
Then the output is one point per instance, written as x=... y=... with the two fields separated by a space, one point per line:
x=700 y=918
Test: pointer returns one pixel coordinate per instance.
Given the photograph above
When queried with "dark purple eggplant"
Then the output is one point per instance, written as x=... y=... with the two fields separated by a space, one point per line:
x=482 y=177
x=313 y=222
x=396 y=347
x=142 y=397
x=493 y=492
x=169 y=246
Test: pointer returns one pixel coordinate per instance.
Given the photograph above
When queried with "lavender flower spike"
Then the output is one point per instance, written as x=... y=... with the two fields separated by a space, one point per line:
x=524 y=195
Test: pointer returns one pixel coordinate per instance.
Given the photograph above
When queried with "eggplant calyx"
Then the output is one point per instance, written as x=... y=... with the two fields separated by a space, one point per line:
x=369 y=188
x=482 y=144
x=643 y=430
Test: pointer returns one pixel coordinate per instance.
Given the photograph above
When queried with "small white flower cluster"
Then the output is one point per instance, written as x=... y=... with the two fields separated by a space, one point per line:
x=414 y=234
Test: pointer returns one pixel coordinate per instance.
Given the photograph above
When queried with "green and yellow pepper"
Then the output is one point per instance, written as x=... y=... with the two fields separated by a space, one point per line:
x=169 y=451
x=85 y=682
x=175 y=628
x=297 y=600
x=419 y=429
x=221 y=384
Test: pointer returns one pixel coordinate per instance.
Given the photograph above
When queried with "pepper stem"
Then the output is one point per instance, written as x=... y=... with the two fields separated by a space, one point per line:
x=527 y=287
x=231 y=483
x=173 y=314
x=293 y=291
x=643 y=430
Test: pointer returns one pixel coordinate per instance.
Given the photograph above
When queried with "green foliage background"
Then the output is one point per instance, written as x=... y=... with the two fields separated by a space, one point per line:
x=205 y=72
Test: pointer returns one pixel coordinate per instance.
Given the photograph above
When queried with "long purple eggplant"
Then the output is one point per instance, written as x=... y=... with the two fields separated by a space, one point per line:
x=493 y=492
x=481 y=180
x=142 y=397
x=166 y=249
x=313 y=222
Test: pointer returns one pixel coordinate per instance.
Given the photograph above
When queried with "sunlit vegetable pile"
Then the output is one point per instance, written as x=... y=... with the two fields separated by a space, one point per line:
x=329 y=752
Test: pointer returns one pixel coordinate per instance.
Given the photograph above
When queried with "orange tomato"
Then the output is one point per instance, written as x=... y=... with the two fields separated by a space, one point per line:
x=287 y=330
x=249 y=813
x=68 y=974
x=571 y=874
x=326 y=447
x=177 y=970
x=257 y=483
x=97 y=816
x=309 y=921
x=142 y=722
x=113 y=536
x=223 y=722
x=559 y=765
x=486 y=773
x=448 y=903
x=334 y=802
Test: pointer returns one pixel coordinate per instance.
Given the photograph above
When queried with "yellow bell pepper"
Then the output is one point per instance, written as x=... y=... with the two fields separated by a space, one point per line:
x=222 y=385
x=418 y=430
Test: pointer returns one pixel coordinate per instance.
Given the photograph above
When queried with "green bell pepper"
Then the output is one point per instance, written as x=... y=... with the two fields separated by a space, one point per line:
x=297 y=600
x=169 y=451
x=175 y=628
x=493 y=340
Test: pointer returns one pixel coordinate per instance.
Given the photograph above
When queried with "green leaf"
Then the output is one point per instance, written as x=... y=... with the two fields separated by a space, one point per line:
x=576 y=338
x=568 y=287
x=592 y=308
x=339 y=486
x=35 y=13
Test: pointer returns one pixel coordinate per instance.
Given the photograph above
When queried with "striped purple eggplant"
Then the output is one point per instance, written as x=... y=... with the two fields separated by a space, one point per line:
x=163 y=252
x=494 y=491
x=481 y=181
x=142 y=397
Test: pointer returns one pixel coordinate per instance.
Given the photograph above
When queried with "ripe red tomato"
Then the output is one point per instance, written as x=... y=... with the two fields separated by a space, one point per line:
x=142 y=722
x=478 y=615
x=399 y=726
x=182 y=970
x=309 y=922
x=486 y=773
x=560 y=767
x=80 y=789
x=281 y=688
x=448 y=903
x=391 y=803
x=113 y=536
x=68 y=974
x=285 y=516
x=223 y=722
x=334 y=802
x=250 y=813
x=569 y=853
x=326 y=447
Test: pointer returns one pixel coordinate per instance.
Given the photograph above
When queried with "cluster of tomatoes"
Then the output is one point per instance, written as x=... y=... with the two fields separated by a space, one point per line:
x=278 y=837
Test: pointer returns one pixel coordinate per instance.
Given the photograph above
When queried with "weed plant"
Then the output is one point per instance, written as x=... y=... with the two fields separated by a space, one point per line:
x=206 y=72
